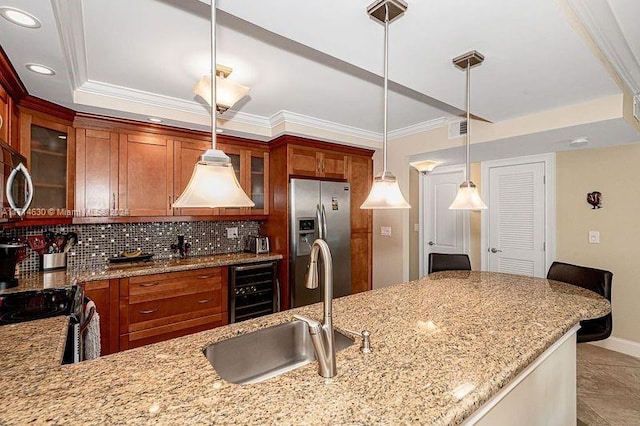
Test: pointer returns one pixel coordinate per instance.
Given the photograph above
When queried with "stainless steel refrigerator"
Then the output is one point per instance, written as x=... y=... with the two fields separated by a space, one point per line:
x=319 y=209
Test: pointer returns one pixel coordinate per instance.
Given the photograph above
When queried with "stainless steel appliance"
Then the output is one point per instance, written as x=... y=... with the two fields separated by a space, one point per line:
x=254 y=291
x=256 y=244
x=319 y=209
x=9 y=256
x=16 y=191
x=51 y=302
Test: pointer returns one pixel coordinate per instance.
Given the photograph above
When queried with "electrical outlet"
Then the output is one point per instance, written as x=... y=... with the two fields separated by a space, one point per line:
x=416 y=227
x=594 y=237
x=232 y=232
x=385 y=231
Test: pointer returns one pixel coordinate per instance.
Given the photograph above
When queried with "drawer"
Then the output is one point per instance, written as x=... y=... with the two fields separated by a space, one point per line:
x=158 y=286
x=155 y=313
x=171 y=331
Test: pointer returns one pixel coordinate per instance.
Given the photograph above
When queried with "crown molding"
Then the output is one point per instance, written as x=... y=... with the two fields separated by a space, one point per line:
x=288 y=117
x=425 y=126
x=70 y=22
x=49 y=108
x=245 y=118
x=601 y=23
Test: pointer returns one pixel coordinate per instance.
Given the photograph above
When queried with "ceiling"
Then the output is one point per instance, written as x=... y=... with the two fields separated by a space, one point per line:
x=319 y=61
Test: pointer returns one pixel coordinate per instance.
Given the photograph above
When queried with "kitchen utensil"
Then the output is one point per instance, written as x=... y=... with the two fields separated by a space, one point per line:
x=71 y=240
x=37 y=243
x=49 y=239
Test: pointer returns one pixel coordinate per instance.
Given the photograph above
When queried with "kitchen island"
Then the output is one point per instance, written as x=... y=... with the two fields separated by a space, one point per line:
x=444 y=346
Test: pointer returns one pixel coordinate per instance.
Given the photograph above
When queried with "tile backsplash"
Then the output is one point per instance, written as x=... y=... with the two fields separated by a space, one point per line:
x=96 y=243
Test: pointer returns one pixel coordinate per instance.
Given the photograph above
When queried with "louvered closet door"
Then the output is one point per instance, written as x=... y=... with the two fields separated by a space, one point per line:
x=517 y=219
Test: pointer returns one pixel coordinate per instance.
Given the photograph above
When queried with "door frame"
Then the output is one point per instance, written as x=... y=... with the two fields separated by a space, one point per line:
x=423 y=185
x=549 y=161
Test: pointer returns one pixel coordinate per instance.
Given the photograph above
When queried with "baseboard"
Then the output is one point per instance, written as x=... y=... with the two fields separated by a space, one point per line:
x=627 y=347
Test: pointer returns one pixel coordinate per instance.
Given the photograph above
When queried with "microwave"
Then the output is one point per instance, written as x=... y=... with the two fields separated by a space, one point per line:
x=16 y=186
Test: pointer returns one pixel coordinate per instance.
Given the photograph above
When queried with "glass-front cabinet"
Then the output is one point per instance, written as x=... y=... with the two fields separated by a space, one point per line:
x=48 y=145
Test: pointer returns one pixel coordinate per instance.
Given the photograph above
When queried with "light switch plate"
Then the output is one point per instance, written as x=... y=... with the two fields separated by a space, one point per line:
x=385 y=231
x=416 y=227
x=232 y=232
x=594 y=237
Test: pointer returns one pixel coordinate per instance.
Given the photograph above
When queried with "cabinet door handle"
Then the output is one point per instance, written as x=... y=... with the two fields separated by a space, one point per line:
x=318 y=165
x=203 y=301
x=113 y=200
x=148 y=311
x=150 y=284
x=322 y=166
x=205 y=277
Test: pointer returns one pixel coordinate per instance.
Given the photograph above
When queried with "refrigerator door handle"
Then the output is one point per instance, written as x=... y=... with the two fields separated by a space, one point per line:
x=324 y=223
x=319 y=217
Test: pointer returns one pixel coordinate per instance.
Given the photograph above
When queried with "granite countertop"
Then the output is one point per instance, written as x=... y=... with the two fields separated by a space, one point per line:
x=429 y=337
x=64 y=278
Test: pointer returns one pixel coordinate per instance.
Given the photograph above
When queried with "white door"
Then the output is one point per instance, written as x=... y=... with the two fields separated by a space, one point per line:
x=516 y=243
x=445 y=231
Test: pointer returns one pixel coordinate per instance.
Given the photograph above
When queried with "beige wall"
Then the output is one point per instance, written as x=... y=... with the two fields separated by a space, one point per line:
x=613 y=172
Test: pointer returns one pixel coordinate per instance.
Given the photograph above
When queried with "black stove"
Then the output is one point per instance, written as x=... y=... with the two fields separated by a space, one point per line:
x=37 y=304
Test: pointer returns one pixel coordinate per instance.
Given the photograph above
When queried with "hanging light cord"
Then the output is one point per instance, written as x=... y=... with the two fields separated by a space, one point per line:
x=468 y=138
x=213 y=74
x=386 y=89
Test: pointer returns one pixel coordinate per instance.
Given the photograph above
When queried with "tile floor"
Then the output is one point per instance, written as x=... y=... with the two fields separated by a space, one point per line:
x=608 y=387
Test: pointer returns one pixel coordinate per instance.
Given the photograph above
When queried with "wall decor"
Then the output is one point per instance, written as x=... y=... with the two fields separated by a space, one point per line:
x=595 y=199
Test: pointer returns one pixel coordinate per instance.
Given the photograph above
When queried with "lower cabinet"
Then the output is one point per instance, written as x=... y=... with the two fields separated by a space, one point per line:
x=147 y=309
x=158 y=307
x=105 y=295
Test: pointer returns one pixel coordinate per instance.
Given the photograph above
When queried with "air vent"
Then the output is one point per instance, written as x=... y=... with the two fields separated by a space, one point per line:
x=457 y=129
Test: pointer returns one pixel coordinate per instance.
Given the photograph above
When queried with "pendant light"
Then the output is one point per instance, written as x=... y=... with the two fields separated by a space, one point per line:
x=213 y=182
x=385 y=192
x=227 y=92
x=467 y=197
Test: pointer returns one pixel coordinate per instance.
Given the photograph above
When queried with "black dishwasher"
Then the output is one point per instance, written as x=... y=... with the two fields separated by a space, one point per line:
x=254 y=291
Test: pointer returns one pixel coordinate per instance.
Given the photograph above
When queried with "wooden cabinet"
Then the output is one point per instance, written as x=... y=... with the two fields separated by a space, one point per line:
x=312 y=162
x=96 y=173
x=105 y=295
x=360 y=177
x=145 y=164
x=48 y=144
x=158 y=307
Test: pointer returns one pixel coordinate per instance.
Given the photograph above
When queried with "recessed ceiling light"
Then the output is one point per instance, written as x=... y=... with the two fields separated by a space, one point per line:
x=155 y=120
x=19 y=17
x=40 y=69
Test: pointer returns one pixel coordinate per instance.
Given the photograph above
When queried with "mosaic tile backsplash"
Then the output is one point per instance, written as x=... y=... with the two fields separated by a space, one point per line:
x=96 y=243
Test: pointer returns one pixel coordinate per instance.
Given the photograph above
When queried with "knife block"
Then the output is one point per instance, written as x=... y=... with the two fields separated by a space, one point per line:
x=53 y=261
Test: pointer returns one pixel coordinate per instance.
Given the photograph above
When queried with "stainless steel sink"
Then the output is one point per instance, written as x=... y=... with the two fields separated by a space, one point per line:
x=263 y=354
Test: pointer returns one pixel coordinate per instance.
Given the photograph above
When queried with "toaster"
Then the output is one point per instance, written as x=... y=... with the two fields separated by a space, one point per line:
x=256 y=244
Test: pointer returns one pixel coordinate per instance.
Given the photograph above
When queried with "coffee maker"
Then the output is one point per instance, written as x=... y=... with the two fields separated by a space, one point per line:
x=10 y=255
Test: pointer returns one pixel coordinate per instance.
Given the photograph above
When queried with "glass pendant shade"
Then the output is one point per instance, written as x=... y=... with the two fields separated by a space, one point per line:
x=213 y=184
x=227 y=92
x=385 y=194
x=467 y=198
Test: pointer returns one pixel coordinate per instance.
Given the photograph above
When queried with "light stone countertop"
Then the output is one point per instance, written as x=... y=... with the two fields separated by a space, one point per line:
x=64 y=278
x=429 y=337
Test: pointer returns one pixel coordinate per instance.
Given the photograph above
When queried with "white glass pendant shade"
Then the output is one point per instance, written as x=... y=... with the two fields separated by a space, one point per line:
x=385 y=194
x=467 y=198
x=213 y=184
x=227 y=92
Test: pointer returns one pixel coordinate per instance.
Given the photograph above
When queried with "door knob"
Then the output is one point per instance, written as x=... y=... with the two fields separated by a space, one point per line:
x=431 y=243
x=495 y=250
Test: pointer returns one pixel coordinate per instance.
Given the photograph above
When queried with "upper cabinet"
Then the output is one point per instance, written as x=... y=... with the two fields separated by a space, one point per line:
x=313 y=162
x=145 y=178
x=124 y=172
x=48 y=144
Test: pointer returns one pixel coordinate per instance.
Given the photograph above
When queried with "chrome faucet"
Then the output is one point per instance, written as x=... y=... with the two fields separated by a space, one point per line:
x=322 y=334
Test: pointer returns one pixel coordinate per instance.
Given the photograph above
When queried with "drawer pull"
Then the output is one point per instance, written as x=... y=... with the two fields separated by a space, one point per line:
x=149 y=284
x=204 y=301
x=148 y=311
x=205 y=277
